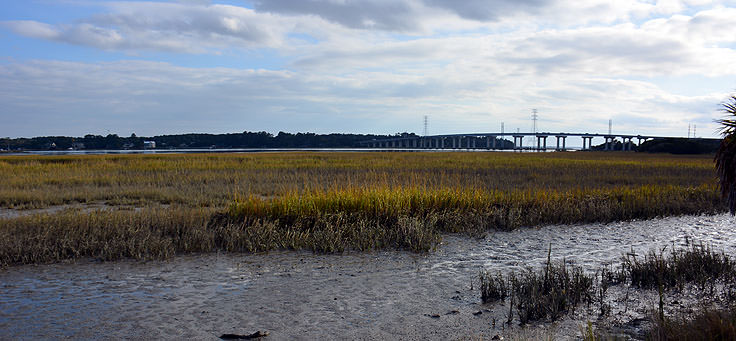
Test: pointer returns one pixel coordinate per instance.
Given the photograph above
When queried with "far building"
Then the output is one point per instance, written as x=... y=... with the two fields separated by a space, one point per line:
x=149 y=144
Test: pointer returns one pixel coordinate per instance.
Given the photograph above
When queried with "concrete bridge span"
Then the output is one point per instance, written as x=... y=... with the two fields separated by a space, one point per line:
x=499 y=141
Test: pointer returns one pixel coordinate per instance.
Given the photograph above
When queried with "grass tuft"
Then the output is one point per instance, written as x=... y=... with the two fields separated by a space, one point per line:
x=696 y=263
x=550 y=292
x=705 y=325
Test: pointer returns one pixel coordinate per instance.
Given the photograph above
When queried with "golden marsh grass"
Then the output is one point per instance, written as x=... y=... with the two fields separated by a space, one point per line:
x=327 y=202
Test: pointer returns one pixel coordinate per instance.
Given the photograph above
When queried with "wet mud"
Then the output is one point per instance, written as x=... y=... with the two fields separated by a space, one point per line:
x=301 y=295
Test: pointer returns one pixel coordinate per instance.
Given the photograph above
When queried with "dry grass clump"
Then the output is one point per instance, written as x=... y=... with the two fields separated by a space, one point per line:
x=550 y=292
x=493 y=287
x=556 y=289
x=705 y=325
x=696 y=263
x=161 y=233
x=105 y=235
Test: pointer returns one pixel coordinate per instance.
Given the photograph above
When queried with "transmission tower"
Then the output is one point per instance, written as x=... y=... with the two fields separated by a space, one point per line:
x=534 y=120
x=688 y=130
x=426 y=122
x=693 y=130
x=501 y=128
x=610 y=124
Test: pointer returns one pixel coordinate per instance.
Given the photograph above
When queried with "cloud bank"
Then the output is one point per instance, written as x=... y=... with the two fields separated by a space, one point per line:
x=379 y=66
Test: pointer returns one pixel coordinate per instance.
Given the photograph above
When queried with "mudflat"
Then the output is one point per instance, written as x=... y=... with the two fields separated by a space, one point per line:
x=352 y=295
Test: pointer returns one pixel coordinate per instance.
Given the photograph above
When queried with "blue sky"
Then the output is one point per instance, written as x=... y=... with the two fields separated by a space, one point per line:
x=75 y=67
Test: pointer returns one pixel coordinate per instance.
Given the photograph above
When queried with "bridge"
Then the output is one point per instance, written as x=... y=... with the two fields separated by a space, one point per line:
x=497 y=141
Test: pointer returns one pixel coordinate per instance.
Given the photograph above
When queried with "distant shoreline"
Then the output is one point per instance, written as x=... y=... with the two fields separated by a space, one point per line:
x=244 y=150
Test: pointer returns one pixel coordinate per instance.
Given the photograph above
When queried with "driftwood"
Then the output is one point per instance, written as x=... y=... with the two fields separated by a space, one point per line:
x=256 y=335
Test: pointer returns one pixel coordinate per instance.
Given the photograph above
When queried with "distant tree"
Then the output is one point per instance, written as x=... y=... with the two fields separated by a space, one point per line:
x=112 y=141
x=726 y=156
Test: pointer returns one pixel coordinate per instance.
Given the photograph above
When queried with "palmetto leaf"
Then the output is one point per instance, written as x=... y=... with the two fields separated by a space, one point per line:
x=726 y=155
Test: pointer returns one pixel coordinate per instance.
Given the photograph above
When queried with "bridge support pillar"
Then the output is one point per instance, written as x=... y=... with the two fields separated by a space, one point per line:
x=587 y=142
x=494 y=142
x=541 y=142
x=472 y=139
x=562 y=137
x=628 y=143
x=518 y=145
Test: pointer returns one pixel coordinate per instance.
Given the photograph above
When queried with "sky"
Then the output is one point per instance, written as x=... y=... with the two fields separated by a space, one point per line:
x=76 y=67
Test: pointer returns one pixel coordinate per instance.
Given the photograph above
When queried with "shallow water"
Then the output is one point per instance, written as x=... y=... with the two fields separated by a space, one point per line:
x=301 y=295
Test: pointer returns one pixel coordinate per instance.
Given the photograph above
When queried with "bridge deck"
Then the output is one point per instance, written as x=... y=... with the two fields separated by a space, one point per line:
x=456 y=141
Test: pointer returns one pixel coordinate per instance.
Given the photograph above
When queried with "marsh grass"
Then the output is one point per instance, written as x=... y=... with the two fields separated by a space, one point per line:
x=215 y=180
x=557 y=288
x=705 y=325
x=551 y=293
x=326 y=202
x=698 y=263
x=469 y=210
x=161 y=233
x=548 y=293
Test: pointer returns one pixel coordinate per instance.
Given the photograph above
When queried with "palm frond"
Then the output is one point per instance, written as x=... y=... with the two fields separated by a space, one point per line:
x=726 y=155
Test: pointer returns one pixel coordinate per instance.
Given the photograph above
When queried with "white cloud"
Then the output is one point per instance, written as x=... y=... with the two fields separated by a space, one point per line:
x=376 y=14
x=177 y=27
x=369 y=66
x=32 y=29
x=154 y=98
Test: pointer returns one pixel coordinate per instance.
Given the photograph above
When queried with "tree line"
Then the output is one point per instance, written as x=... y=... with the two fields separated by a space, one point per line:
x=245 y=139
